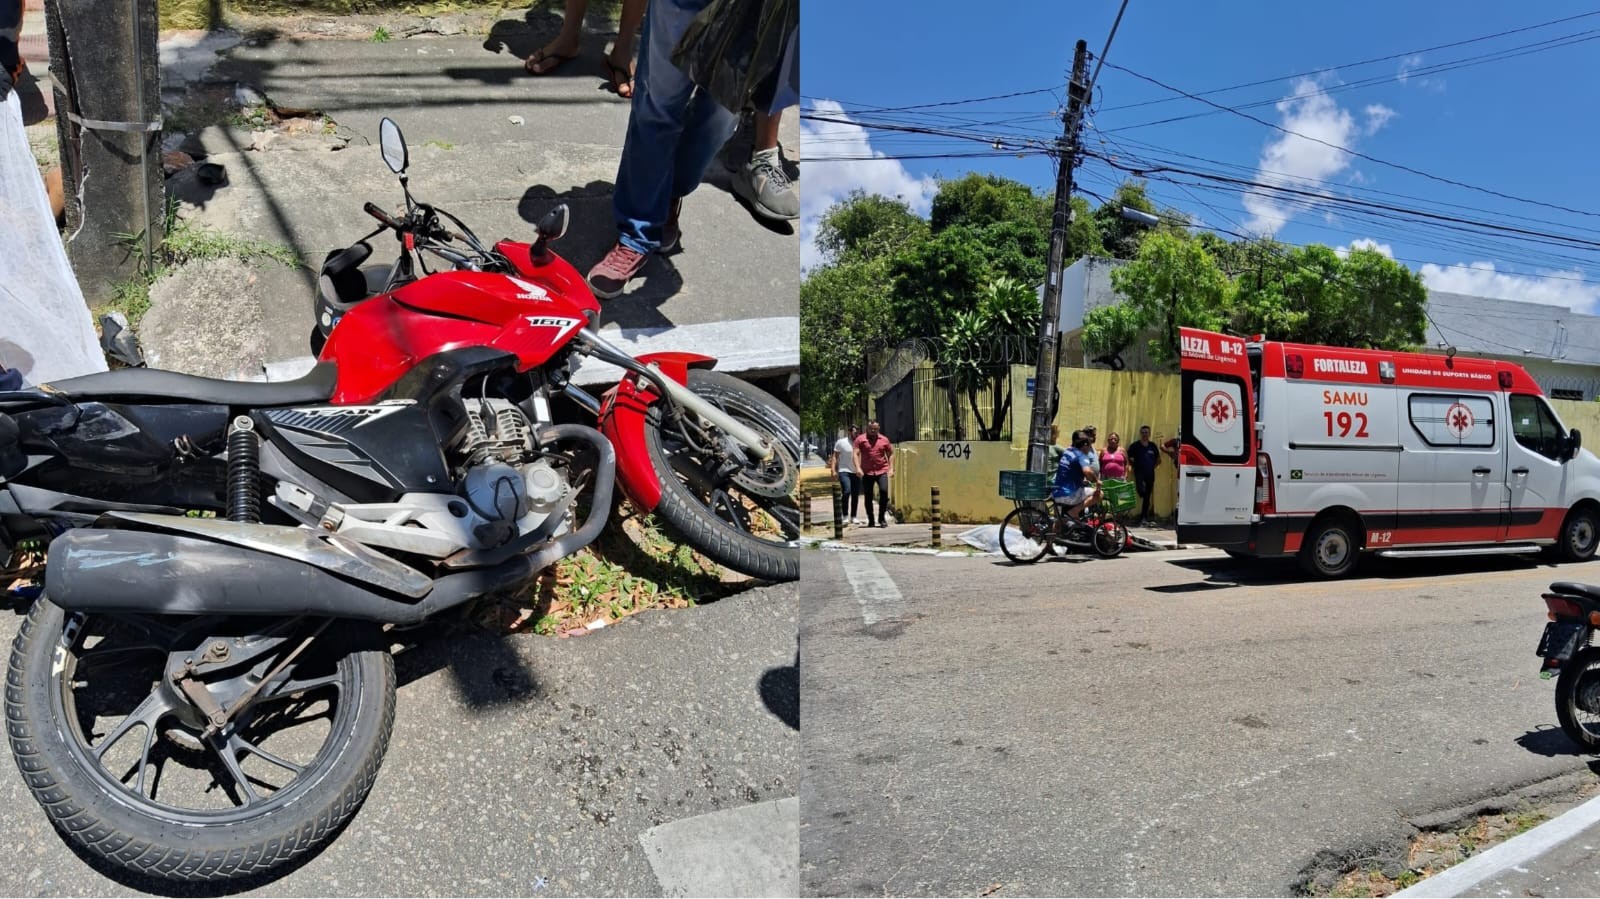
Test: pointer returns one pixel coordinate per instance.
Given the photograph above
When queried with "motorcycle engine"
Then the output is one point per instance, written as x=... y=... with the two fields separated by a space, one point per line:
x=510 y=488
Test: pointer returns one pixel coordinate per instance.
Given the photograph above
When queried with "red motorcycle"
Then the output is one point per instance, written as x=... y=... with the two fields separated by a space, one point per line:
x=205 y=690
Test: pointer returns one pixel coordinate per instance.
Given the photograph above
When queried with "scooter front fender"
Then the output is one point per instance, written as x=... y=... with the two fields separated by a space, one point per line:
x=623 y=418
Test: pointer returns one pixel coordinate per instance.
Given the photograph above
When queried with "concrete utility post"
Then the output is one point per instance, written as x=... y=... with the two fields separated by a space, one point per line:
x=1044 y=382
x=103 y=56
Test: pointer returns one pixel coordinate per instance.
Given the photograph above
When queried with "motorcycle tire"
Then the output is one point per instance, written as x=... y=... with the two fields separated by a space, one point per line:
x=1110 y=539
x=1032 y=527
x=130 y=830
x=1579 y=675
x=686 y=510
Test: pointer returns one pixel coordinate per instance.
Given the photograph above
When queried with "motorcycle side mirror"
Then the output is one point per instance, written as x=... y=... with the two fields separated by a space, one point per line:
x=393 y=145
x=554 y=224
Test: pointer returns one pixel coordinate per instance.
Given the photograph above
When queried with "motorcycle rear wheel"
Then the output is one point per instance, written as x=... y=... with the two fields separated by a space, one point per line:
x=746 y=520
x=1578 y=698
x=200 y=817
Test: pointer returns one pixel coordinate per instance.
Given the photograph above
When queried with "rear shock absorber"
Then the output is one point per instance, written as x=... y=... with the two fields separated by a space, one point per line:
x=244 y=471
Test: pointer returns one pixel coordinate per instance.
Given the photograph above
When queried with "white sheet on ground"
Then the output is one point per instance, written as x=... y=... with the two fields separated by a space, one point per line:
x=45 y=329
x=987 y=538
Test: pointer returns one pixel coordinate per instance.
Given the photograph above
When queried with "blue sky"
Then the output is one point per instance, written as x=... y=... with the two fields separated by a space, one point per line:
x=1523 y=126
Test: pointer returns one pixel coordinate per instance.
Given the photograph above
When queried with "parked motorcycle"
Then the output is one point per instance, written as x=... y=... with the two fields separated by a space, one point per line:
x=1564 y=646
x=206 y=690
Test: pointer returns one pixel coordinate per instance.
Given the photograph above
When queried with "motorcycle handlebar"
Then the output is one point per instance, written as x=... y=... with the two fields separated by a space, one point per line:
x=384 y=217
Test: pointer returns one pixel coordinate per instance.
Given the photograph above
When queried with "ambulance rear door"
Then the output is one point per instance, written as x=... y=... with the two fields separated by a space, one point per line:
x=1217 y=461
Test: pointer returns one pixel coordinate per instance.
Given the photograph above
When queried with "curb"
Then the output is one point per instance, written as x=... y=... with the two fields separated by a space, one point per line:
x=1513 y=853
x=836 y=546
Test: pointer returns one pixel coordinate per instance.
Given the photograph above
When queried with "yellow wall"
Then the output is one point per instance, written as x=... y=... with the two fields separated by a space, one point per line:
x=1112 y=401
x=1583 y=416
x=968 y=485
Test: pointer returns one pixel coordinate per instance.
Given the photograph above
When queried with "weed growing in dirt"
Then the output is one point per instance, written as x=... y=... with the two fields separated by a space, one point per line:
x=382 y=35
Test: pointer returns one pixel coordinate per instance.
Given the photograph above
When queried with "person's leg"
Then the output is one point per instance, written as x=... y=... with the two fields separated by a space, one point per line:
x=708 y=127
x=883 y=499
x=867 y=488
x=762 y=181
x=620 y=59
x=855 y=495
x=565 y=45
x=661 y=111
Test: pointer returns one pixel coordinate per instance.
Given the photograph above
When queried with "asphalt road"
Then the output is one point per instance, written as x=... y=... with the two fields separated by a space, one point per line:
x=522 y=765
x=1159 y=724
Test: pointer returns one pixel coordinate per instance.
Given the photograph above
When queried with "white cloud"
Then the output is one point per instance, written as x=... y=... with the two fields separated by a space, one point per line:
x=827 y=182
x=1364 y=243
x=1407 y=66
x=1305 y=157
x=1483 y=280
x=1378 y=115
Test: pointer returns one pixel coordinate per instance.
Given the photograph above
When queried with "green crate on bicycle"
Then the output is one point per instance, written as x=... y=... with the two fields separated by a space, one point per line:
x=1024 y=485
x=1120 y=495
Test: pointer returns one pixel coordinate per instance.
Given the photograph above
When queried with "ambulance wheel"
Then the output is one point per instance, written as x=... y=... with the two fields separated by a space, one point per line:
x=1580 y=535
x=1331 y=549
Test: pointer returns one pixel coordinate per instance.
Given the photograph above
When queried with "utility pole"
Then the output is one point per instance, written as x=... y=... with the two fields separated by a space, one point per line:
x=108 y=117
x=1044 y=382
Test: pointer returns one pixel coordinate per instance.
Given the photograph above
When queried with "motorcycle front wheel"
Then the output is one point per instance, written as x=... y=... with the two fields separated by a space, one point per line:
x=739 y=514
x=124 y=764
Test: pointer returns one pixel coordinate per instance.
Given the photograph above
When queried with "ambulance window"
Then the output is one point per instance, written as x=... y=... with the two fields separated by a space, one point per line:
x=1453 y=420
x=1536 y=428
x=1214 y=416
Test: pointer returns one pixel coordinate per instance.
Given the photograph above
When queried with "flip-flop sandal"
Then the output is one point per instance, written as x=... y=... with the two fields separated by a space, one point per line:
x=620 y=77
x=539 y=57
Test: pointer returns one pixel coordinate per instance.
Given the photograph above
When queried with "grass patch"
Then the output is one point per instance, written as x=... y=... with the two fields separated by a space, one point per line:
x=381 y=35
x=185 y=242
x=634 y=566
x=256 y=117
x=441 y=144
x=1433 y=851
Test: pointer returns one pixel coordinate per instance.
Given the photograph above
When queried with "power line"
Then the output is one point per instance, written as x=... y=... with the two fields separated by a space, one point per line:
x=1557 y=43
x=1377 y=59
x=1356 y=153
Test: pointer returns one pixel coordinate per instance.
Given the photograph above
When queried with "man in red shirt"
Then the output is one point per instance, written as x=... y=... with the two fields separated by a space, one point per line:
x=875 y=463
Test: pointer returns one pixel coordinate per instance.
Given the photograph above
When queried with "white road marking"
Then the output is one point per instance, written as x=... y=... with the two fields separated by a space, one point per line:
x=1519 y=850
x=879 y=598
x=752 y=850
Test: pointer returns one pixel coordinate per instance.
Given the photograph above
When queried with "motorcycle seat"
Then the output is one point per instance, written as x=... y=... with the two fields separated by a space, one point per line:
x=153 y=384
x=1590 y=592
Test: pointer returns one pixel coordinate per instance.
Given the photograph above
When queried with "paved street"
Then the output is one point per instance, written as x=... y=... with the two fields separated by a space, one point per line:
x=1161 y=724
x=522 y=765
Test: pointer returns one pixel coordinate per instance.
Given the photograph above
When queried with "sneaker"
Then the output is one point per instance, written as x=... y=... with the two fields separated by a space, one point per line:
x=671 y=233
x=608 y=278
x=791 y=167
x=764 y=184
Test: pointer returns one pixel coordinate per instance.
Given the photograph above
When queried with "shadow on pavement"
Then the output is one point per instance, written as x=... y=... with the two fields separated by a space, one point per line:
x=780 y=692
x=1552 y=742
x=484 y=665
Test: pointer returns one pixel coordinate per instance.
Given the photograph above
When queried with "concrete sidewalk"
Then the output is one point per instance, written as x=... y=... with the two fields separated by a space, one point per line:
x=920 y=534
x=1560 y=857
x=489 y=143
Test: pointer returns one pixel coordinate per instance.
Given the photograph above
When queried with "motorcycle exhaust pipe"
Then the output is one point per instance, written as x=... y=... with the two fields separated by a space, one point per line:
x=145 y=572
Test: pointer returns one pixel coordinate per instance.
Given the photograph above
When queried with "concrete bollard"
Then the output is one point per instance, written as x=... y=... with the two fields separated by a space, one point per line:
x=938 y=541
x=838 y=513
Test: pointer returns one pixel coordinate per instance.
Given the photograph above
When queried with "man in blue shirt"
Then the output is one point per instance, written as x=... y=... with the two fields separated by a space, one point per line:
x=1076 y=484
x=1144 y=456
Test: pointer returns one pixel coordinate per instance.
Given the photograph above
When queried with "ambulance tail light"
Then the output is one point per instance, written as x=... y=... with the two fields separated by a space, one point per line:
x=1266 y=500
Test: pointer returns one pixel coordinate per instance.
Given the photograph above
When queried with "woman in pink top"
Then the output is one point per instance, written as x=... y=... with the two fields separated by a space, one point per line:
x=1113 y=459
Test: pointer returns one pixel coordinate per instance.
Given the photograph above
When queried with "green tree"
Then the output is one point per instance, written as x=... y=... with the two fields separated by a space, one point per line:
x=1384 y=304
x=845 y=314
x=866 y=226
x=979 y=345
x=977 y=200
x=1173 y=282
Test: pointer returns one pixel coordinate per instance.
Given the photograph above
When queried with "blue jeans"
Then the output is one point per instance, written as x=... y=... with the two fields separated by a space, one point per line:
x=674 y=130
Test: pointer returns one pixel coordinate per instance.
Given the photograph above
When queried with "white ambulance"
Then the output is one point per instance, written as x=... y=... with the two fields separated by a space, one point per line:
x=1323 y=453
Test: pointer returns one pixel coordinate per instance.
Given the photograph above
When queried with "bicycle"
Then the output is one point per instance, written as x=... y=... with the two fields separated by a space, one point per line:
x=1029 y=531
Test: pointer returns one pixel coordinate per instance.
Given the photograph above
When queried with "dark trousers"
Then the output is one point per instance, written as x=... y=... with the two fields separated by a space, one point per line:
x=849 y=493
x=881 y=482
x=1145 y=485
